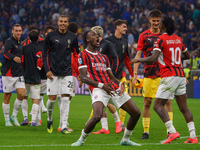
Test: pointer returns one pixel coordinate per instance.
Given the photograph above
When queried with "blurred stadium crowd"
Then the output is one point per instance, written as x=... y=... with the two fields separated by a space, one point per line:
x=88 y=13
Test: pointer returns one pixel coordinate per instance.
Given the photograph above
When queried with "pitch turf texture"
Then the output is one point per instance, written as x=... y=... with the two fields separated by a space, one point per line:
x=27 y=137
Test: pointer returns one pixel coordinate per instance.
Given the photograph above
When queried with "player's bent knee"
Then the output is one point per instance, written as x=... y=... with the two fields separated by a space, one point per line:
x=96 y=118
x=138 y=113
x=20 y=95
x=52 y=97
x=147 y=104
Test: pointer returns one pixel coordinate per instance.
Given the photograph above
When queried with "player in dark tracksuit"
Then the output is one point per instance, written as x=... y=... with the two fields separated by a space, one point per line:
x=59 y=45
x=24 y=102
x=32 y=62
x=12 y=75
x=107 y=48
x=121 y=46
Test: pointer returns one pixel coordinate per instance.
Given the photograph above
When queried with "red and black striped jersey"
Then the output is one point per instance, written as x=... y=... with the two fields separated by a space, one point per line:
x=10 y=67
x=145 y=43
x=97 y=65
x=169 y=60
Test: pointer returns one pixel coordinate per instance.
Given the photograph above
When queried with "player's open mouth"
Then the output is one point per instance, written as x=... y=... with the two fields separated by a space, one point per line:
x=98 y=42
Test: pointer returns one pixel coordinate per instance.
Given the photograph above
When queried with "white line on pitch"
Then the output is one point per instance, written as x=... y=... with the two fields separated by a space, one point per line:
x=62 y=145
x=67 y=145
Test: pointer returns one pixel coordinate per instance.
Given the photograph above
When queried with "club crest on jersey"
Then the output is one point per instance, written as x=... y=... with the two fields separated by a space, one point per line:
x=80 y=61
x=123 y=46
x=69 y=41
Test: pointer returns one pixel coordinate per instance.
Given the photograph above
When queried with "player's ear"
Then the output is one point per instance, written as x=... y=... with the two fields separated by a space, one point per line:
x=149 y=20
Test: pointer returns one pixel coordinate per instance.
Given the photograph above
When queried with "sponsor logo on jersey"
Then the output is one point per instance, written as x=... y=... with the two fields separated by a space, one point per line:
x=57 y=40
x=149 y=39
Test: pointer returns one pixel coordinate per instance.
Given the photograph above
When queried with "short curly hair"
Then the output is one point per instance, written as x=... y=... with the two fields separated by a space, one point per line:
x=73 y=27
x=169 y=24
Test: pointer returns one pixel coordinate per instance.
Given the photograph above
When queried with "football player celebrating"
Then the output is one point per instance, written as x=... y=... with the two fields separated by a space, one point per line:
x=94 y=69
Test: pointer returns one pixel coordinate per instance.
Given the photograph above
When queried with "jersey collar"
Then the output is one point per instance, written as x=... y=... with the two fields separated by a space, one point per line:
x=91 y=52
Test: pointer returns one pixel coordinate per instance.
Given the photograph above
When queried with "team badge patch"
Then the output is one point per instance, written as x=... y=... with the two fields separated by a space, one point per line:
x=80 y=61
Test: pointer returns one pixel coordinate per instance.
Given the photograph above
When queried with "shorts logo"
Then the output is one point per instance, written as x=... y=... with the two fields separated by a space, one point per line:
x=48 y=90
x=96 y=96
x=80 y=61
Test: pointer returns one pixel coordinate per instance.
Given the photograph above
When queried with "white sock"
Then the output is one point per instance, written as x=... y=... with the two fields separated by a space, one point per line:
x=38 y=117
x=116 y=117
x=59 y=104
x=25 y=109
x=83 y=136
x=127 y=134
x=169 y=125
x=6 y=110
x=104 y=123
x=65 y=111
x=41 y=102
x=59 y=101
x=34 y=112
x=191 y=129
x=17 y=106
x=50 y=107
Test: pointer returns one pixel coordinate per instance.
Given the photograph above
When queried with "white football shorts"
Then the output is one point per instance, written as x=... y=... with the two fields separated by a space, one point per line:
x=33 y=90
x=60 y=85
x=170 y=86
x=43 y=86
x=12 y=82
x=100 y=95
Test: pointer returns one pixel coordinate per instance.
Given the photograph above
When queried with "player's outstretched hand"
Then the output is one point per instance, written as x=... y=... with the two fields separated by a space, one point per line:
x=122 y=88
x=134 y=61
x=17 y=59
x=49 y=75
x=108 y=89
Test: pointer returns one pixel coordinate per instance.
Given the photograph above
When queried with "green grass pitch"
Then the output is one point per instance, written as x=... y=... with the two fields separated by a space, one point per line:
x=27 y=137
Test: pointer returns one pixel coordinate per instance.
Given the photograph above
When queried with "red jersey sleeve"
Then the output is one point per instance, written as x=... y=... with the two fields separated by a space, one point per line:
x=128 y=64
x=158 y=45
x=82 y=60
x=140 y=45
